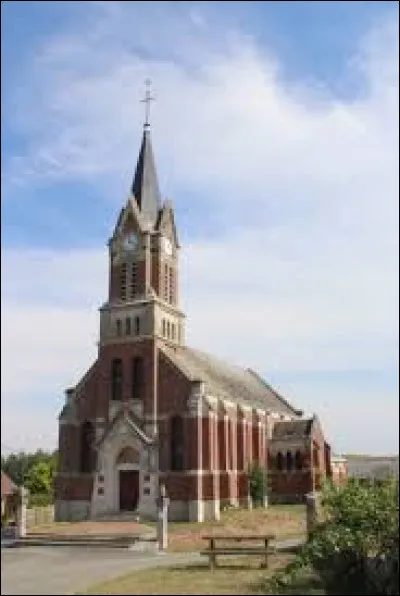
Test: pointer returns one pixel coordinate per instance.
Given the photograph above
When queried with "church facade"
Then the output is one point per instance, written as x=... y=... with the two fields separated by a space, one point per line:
x=151 y=410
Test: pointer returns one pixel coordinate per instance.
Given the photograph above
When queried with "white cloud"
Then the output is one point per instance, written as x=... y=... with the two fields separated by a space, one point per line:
x=259 y=324
x=303 y=275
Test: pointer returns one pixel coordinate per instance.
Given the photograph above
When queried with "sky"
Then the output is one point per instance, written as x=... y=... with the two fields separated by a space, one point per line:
x=276 y=135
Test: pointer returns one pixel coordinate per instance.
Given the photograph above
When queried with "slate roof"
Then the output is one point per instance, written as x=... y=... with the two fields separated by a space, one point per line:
x=285 y=429
x=7 y=485
x=145 y=183
x=227 y=381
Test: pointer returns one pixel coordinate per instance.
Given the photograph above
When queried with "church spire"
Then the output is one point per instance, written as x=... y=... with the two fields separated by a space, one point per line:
x=145 y=184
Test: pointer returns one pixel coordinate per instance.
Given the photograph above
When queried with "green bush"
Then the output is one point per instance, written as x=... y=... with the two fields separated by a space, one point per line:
x=257 y=484
x=355 y=548
x=40 y=500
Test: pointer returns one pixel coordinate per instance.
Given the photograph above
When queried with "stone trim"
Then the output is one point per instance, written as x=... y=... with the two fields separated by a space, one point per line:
x=212 y=403
x=124 y=418
x=195 y=400
x=227 y=405
x=68 y=422
x=243 y=410
x=67 y=511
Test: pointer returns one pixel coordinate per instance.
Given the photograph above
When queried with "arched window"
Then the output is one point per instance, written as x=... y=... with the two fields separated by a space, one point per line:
x=128 y=455
x=171 y=285
x=87 y=459
x=137 y=325
x=166 y=282
x=122 y=281
x=289 y=461
x=137 y=378
x=279 y=461
x=298 y=460
x=173 y=330
x=177 y=443
x=128 y=325
x=163 y=328
x=118 y=327
x=168 y=329
x=134 y=279
x=116 y=379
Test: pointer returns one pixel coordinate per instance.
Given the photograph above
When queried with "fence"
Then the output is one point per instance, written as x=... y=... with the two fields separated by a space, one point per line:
x=37 y=516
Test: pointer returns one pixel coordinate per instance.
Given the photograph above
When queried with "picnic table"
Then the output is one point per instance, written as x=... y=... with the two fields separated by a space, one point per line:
x=236 y=546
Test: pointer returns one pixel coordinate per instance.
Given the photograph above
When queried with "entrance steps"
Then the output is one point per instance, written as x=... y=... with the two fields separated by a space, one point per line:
x=118 y=516
x=135 y=542
x=121 y=530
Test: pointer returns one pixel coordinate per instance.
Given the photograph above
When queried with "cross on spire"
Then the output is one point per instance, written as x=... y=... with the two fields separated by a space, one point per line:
x=147 y=99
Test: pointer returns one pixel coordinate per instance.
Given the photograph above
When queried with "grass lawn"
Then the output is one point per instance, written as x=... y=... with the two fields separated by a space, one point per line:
x=283 y=520
x=239 y=577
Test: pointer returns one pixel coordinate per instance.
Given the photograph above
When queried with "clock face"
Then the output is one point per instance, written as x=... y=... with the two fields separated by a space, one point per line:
x=167 y=246
x=131 y=241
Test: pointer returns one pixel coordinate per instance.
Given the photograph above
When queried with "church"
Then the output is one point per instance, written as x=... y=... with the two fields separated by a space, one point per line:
x=151 y=410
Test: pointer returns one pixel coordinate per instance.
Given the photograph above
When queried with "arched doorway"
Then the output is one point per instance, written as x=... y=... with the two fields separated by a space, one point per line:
x=128 y=471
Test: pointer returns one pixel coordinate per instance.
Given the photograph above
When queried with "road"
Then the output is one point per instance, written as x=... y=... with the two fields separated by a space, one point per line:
x=67 y=570
x=63 y=570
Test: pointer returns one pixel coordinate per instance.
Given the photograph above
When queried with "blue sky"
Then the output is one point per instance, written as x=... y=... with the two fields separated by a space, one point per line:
x=276 y=135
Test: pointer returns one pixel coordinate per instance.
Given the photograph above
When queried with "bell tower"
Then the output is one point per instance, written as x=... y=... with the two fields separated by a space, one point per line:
x=143 y=298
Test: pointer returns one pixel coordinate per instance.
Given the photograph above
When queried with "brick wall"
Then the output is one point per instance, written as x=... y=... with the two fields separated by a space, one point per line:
x=74 y=487
x=100 y=396
x=69 y=448
x=173 y=388
x=290 y=483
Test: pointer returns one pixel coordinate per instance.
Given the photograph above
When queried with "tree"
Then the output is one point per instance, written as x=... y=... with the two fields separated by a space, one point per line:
x=18 y=465
x=39 y=479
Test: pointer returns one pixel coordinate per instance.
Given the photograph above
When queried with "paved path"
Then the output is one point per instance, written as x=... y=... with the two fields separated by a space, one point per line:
x=64 y=570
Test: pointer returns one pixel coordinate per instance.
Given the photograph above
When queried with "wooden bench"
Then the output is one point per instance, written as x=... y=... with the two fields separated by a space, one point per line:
x=238 y=549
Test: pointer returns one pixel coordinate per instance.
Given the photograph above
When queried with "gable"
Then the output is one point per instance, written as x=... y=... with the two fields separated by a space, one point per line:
x=124 y=425
x=166 y=222
x=7 y=485
x=129 y=219
x=287 y=429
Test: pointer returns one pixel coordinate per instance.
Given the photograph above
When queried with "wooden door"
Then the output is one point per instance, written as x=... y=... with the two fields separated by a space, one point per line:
x=128 y=489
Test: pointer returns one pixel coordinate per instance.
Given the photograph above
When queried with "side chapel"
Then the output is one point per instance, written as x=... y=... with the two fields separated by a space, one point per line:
x=152 y=410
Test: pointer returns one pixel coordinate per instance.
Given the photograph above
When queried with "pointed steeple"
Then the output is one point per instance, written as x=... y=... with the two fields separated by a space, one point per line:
x=145 y=184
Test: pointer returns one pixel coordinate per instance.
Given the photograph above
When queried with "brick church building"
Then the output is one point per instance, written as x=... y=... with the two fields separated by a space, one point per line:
x=152 y=410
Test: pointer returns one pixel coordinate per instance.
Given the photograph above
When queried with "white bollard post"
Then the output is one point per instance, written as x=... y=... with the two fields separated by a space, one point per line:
x=21 y=512
x=162 y=521
x=249 y=500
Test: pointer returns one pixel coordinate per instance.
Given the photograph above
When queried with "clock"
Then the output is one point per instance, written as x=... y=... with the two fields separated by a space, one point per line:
x=167 y=246
x=131 y=241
